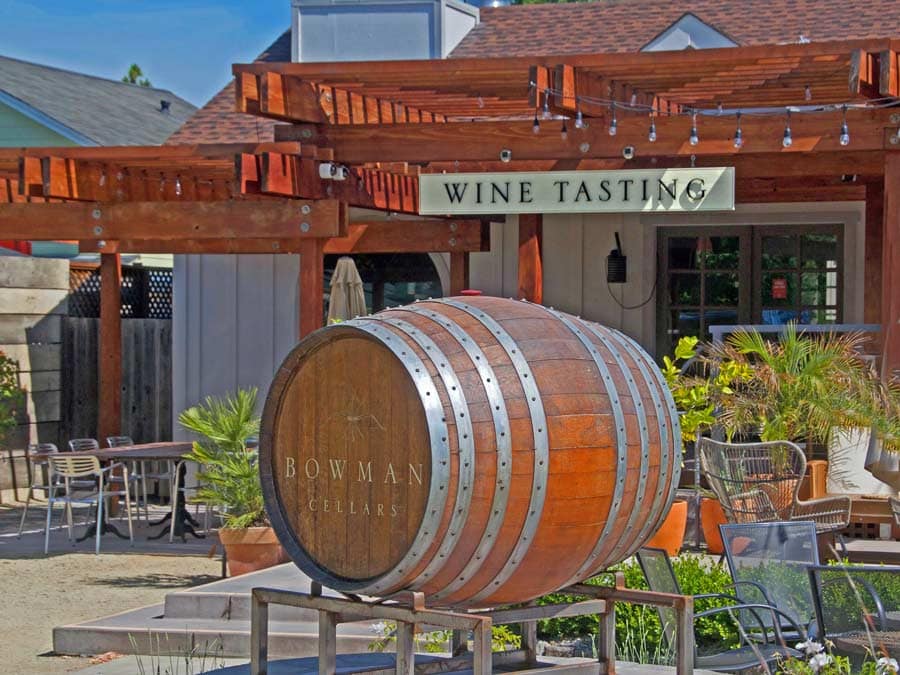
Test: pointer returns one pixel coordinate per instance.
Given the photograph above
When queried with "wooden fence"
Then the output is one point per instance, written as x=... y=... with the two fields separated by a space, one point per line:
x=146 y=379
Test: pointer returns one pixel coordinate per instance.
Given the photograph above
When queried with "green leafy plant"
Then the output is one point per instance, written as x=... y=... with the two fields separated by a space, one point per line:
x=799 y=387
x=12 y=396
x=695 y=396
x=435 y=642
x=229 y=473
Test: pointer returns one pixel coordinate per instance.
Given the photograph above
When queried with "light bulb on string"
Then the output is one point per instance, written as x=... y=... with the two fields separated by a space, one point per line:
x=564 y=132
x=738 y=134
x=845 y=130
x=178 y=186
x=633 y=98
x=613 y=124
x=579 y=119
x=807 y=93
x=480 y=101
x=546 y=113
x=651 y=134
x=102 y=178
x=788 y=140
x=536 y=125
x=694 y=138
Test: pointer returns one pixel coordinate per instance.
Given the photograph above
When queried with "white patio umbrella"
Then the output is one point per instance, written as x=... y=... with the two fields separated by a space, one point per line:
x=347 y=298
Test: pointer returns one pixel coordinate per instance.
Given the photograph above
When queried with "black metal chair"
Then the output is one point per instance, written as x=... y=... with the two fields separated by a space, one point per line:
x=768 y=563
x=858 y=607
x=762 y=641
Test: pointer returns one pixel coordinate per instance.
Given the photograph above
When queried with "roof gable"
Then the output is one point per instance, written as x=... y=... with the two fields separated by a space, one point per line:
x=688 y=32
x=92 y=110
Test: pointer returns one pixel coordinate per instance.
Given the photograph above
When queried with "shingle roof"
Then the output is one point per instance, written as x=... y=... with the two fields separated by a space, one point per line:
x=107 y=112
x=598 y=26
x=628 y=25
x=217 y=121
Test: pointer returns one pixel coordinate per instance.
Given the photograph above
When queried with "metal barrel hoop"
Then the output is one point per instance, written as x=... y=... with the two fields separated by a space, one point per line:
x=541 y=445
x=651 y=383
x=621 y=443
x=642 y=427
x=440 y=453
x=465 y=439
x=500 y=419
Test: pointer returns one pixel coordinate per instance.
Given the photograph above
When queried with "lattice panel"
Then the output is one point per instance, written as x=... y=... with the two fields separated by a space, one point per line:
x=146 y=293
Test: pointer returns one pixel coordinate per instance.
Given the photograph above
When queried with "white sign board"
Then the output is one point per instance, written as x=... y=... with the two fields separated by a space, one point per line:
x=625 y=191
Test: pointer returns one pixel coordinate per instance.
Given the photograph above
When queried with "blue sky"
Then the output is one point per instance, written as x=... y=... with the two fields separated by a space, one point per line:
x=187 y=46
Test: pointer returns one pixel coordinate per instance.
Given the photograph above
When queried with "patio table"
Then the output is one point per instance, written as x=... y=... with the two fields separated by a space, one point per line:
x=164 y=451
x=861 y=642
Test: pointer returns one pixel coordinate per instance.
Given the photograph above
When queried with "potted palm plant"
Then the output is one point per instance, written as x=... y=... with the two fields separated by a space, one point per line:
x=229 y=478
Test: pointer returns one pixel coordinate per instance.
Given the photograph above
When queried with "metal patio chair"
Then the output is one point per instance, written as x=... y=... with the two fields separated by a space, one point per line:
x=142 y=472
x=66 y=469
x=41 y=476
x=858 y=607
x=761 y=639
x=769 y=563
x=760 y=482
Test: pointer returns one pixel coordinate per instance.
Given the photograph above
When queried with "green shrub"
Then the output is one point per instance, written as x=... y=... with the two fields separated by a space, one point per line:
x=11 y=395
x=638 y=629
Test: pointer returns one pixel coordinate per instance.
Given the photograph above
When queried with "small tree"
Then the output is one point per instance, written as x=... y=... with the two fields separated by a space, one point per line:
x=136 y=76
x=11 y=395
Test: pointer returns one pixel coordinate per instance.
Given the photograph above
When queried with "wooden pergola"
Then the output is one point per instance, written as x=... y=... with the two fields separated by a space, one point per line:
x=385 y=123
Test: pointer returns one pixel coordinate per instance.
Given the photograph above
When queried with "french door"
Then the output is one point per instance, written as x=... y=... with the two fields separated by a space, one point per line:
x=741 y=274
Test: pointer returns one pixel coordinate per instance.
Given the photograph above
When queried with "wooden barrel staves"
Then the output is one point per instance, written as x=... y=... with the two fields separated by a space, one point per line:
x=480 y=450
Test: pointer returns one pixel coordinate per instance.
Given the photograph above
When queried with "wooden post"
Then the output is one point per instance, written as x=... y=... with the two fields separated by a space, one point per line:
x=259 y=635
x=890 y=298
x=327 y=642
x=874 y=240
x=312 y=285
x=459 y=272
x=606 y=639
x=406 y=649
x=531 y=273
x=110 y=417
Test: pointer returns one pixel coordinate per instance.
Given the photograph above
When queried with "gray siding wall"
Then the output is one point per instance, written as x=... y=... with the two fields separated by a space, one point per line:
x=234 y=319
x=33 y=303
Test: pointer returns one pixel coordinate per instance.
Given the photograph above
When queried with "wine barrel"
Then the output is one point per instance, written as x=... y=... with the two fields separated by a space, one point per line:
x=482 y=451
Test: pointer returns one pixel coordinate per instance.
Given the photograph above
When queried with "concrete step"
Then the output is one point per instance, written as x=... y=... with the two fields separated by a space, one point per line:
x=147 y=631
x=212 y=619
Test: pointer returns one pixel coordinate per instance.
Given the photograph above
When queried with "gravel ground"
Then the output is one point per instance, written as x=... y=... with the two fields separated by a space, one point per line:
x=38 y=592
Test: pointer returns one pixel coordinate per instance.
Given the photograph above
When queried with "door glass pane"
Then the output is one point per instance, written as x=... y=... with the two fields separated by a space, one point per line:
x=775 y=317
x=721 y=316
x=779 y=252
x=721 y=288
x=683 y=253
x=819 y=251
x=684 y=289
x=779 y=289
x=685 y=322
x=723 y=253
x=820 y=315
x=818 y=288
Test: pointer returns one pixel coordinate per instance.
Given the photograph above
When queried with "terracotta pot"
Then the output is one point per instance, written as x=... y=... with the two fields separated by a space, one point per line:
x=251 y=549
x=711 y=516
x=670 y=535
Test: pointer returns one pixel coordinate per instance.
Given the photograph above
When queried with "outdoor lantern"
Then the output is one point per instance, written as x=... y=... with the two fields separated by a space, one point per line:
x=616 y=264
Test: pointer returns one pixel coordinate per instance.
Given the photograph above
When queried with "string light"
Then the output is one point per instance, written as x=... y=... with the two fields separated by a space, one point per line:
x=536 y=125
x=178 y=186
x=564 y=132
x=788 y=140
x=738 y=134
x=845 y=130
x=546 y=104
x=694 y=137
x=651 y=134
x=807 y=93
x=634 y=98
x=613 y=123
x=579 y=119
x=480 y=101
x=102 y=178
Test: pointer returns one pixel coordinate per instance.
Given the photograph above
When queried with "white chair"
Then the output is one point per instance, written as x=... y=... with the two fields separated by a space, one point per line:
x=66 y=469
x=41 y=478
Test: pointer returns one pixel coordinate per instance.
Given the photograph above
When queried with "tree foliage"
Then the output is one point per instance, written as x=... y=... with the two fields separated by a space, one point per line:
x=135 y=75
x=11 y=395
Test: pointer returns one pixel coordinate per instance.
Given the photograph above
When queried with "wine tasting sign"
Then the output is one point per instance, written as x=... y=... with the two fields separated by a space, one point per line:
x=625 y=191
